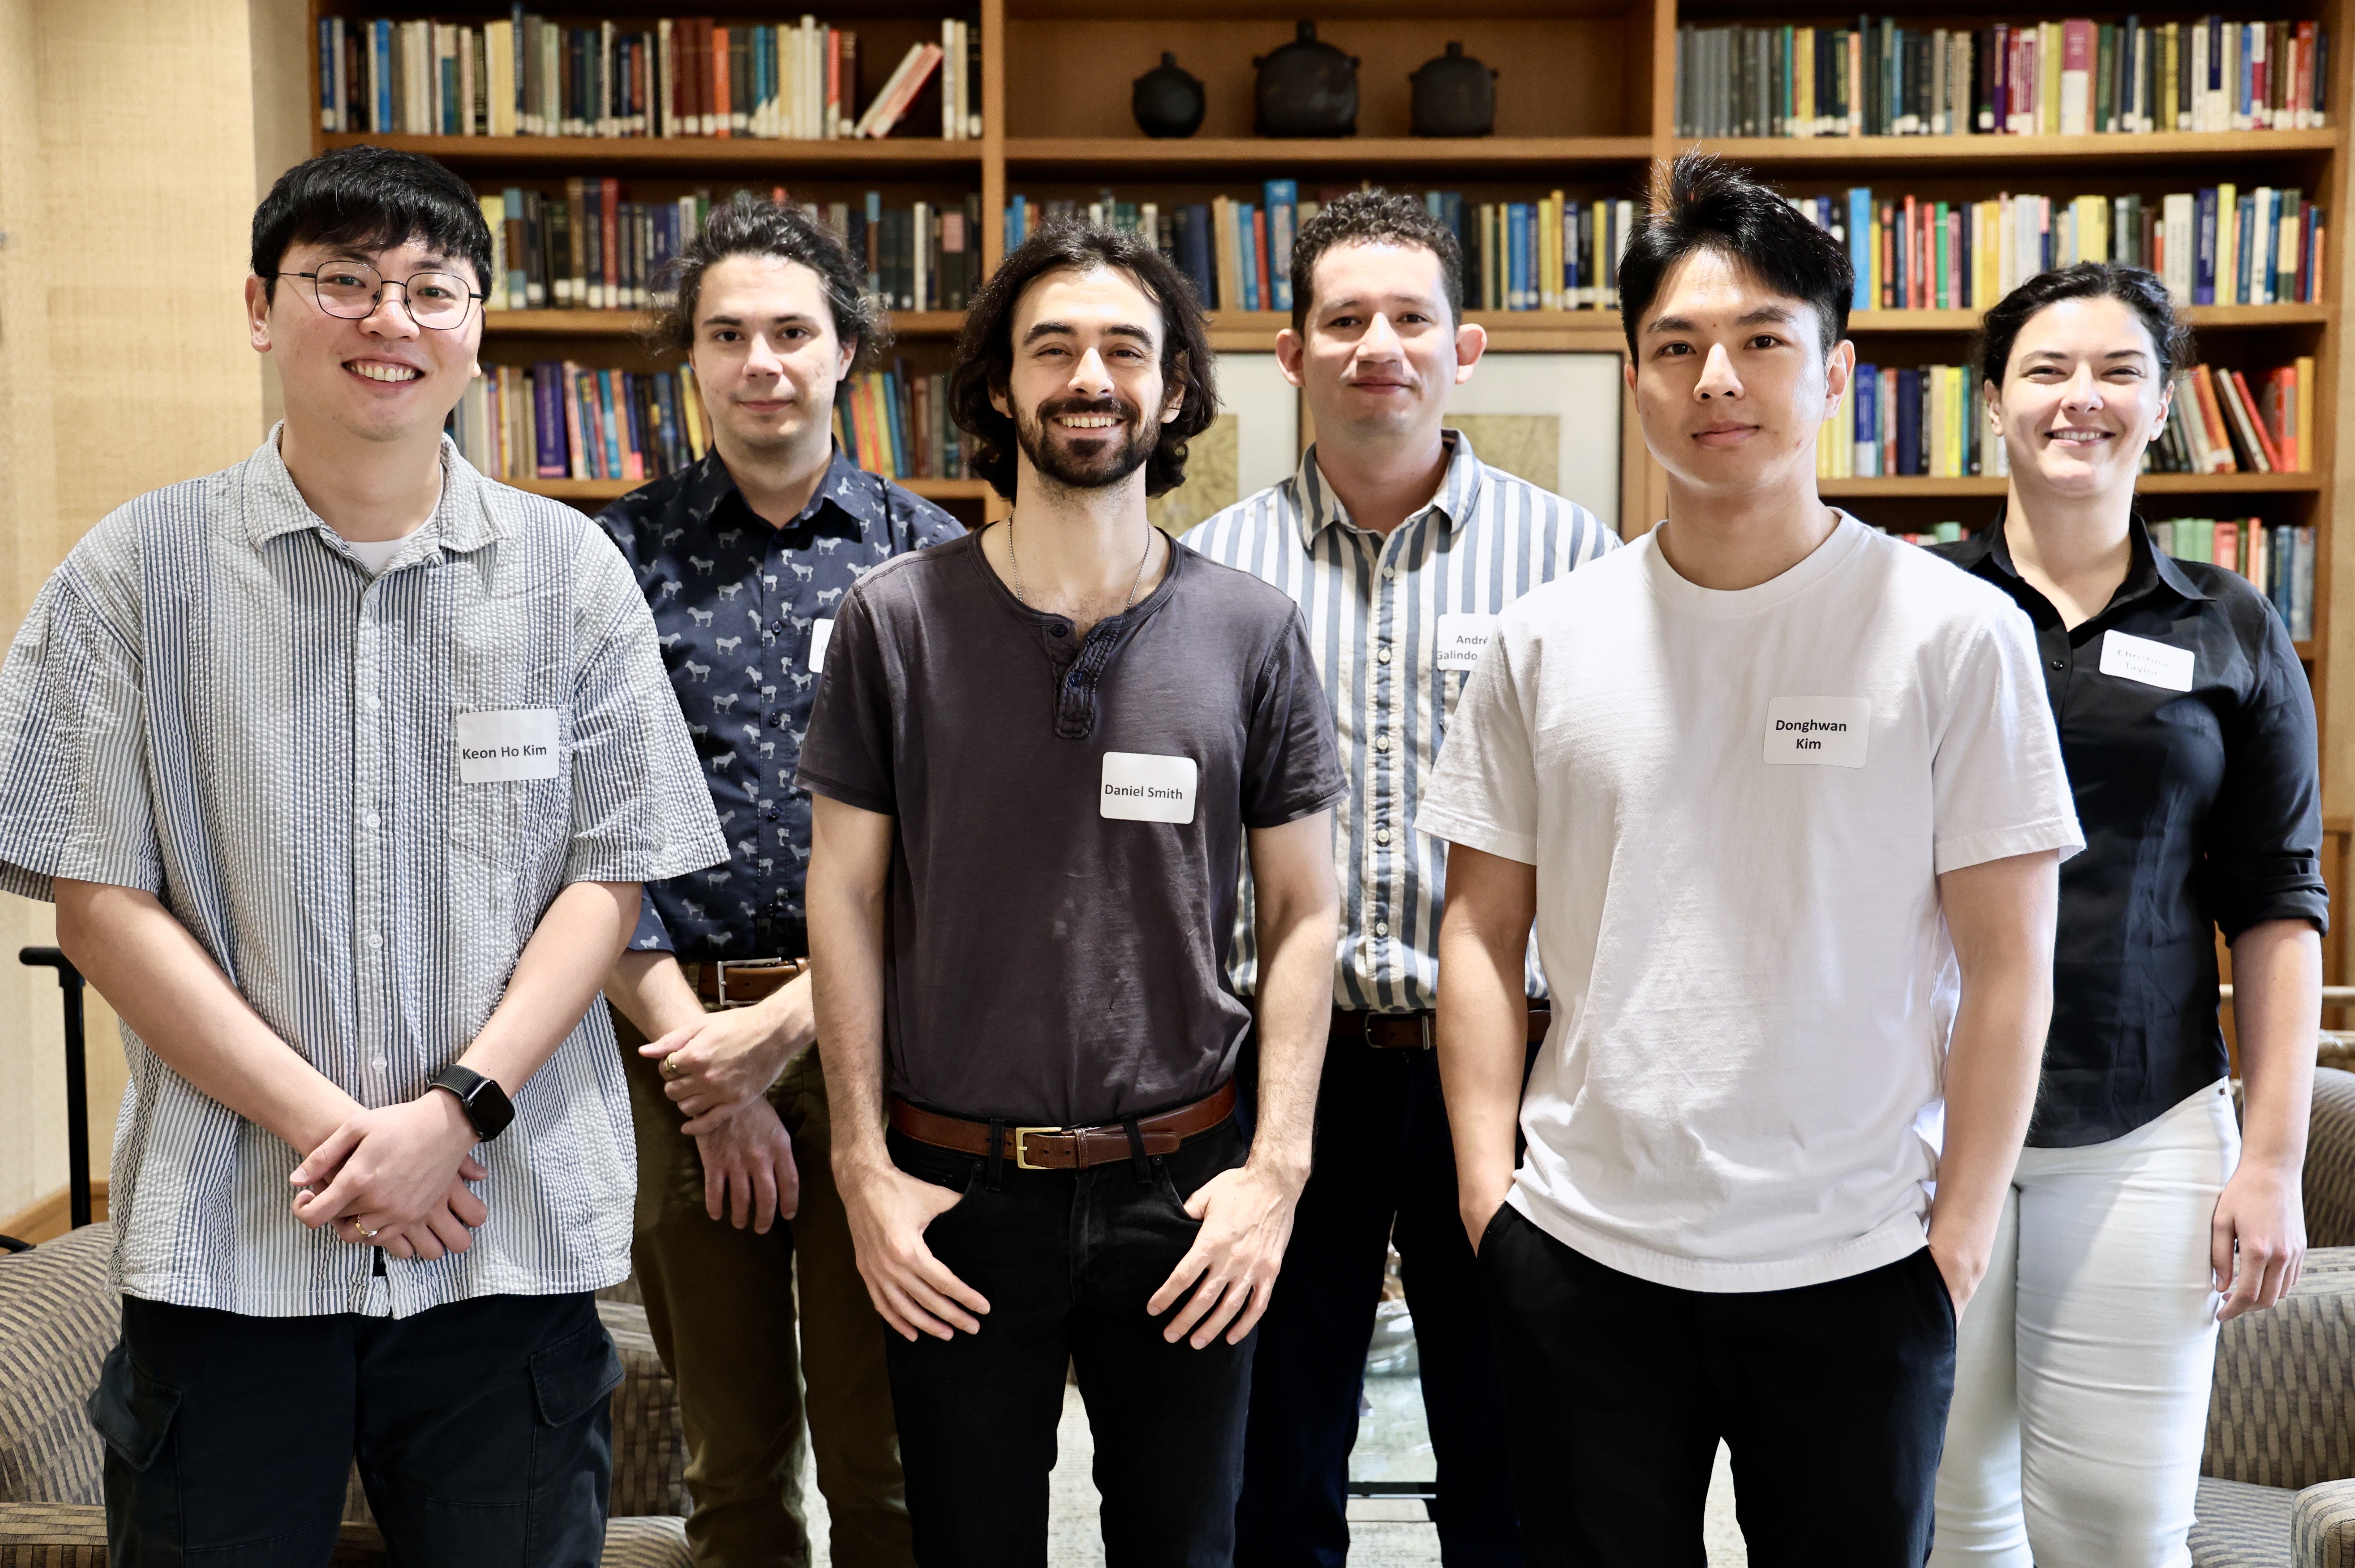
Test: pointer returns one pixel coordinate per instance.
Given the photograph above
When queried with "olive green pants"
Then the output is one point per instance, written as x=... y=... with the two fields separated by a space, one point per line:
x=722 y=1304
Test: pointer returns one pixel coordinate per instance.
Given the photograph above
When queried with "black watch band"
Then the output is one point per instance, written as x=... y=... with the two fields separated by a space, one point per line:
x=486 y=1104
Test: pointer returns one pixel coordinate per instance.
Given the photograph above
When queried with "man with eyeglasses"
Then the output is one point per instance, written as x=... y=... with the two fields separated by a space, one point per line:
x=343 y=767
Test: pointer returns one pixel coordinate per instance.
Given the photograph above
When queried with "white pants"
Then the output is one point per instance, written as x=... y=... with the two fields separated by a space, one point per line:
x=2082 y=1367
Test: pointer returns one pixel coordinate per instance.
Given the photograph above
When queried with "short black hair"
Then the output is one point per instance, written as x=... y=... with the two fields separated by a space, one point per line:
x=370 y=199
x=747 y=224
x=1700 y=202
x=2140 y=290
x=984 y=350
x=1373 y=216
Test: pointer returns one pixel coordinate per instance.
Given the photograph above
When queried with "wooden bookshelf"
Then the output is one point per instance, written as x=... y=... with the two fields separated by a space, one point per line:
x=1586 y=105
x=594 y=492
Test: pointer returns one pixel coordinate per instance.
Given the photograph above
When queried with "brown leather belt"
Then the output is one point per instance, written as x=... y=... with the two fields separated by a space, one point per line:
x=1411 y=1032
x=729 y=983
x=1066 y=1148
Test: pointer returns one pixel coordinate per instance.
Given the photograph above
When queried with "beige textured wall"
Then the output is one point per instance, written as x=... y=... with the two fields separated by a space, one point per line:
x=129 y=148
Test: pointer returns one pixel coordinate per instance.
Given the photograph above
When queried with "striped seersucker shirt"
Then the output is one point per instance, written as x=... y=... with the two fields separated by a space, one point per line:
x=1394 y=624
x=213 y=701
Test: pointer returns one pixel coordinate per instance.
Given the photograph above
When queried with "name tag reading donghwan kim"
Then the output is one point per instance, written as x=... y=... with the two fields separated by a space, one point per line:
x=1140 y=787
x=507 y=743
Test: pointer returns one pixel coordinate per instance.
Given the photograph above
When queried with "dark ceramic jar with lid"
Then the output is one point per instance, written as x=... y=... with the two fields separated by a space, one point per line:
x=1307 y=88
x=1167 y=100
x=1455 y=95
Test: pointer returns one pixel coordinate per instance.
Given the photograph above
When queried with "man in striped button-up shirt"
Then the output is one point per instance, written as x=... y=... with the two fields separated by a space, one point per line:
x=344 y=766
x=1400 y=547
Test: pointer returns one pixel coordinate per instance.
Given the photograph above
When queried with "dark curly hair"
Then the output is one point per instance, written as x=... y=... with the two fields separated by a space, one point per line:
x=984 y=350
x=1373 y=217
x=2138 y=291
x=750 y=225
x=1700 y=202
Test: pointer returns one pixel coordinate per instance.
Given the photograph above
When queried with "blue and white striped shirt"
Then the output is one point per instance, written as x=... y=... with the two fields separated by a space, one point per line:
x=1377 y=610
x=214 y=701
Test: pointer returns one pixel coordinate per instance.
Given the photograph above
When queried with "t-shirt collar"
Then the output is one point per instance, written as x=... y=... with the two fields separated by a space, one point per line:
x=1848 y=536
x=1458 y=492
x=1992 y=548
x=711 y=486
x=272 y=505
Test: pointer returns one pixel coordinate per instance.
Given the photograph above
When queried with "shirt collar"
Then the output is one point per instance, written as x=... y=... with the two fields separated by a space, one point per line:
x=1458 y=493
x=2149 y=569
x=860 y=495
x=462 y=520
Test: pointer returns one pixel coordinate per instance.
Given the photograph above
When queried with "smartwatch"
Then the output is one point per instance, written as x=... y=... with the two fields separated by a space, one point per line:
x=486 y=1104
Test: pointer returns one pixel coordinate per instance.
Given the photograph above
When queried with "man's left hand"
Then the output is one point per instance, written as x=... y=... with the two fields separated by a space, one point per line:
x=2257 y=1242
x=386 y=1167
x=1246 y=1216
x=726 y=1059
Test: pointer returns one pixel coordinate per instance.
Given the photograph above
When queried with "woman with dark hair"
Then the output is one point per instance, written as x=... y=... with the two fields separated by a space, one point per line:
x=2082 y=1367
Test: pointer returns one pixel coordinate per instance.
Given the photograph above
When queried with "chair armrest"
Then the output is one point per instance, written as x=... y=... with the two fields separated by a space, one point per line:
x=649 y=1444
x=2283 y=1410
x=2322 y=1525
x=2329 y=1175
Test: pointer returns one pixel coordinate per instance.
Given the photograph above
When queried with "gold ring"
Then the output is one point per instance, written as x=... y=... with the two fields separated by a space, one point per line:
x=669 y=1068
x=370 y=1234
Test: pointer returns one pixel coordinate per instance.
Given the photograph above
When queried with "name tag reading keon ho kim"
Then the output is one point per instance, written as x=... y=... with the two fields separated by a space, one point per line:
x=1140 y=787
x=507 y=743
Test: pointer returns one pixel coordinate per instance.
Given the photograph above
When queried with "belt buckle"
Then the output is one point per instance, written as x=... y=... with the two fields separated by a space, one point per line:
x=1366 y=1030
x=720 y=973
x=1021 y=1160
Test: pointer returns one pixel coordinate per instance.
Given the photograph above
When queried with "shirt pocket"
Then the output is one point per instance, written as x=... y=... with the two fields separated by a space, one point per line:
x=511 y=832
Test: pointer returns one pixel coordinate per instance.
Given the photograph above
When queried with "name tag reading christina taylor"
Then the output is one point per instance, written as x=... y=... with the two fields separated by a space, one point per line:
x=1142 y=788
x=507 y=743
x=1463 y=638
x=1830 y=731
x=2151 y=663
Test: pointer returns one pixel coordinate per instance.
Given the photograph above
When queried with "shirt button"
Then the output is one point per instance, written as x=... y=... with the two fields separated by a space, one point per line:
x=1381 y=928
x=1382 y=835
x=1383 y=656
x=372 y=704
x=2059 y=664
x=1389 y=573
x=1058 y=630
x=1382 y=743
x=373 y=820
x=375 y=939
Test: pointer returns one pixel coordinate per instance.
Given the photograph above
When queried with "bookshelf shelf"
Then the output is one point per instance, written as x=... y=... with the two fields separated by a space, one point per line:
x=629 y=323
x=763 y=158
x=2203 y=315
x=2000 y=152
x=1932 y=484
x=579 y=490
x=1086 y=156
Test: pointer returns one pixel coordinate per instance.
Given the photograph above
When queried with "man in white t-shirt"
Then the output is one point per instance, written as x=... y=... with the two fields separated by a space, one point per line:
x=1783 y=799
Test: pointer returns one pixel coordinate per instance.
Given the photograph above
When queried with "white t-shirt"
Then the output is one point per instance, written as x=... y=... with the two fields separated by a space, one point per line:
x=1738 y=805
x=376 y=554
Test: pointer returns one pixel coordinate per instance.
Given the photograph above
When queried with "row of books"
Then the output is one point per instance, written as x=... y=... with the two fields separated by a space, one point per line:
x=589 y=249
x=2076 y=77
x=1553 y=253
x=526 y=76
x=2219 y=424
x=1928 y=418
x=563 y=420
x=2278 y=557
x=2220 y=245
x=896 y=423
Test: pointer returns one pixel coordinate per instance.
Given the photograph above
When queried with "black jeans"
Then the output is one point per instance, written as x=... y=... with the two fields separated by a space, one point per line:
x=1384 y=1172
x=1832 y=1397
x=481 y=1430
x=1066 y=1261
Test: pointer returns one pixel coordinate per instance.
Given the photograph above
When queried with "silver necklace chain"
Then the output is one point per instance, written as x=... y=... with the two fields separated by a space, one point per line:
x=1015 y=561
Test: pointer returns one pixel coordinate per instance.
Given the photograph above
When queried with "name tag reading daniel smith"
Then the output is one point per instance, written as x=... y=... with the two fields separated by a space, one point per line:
x=507 y=743
x=2153 y=663
x=1830 y=731
x=1138 y=788
x=1462 y=638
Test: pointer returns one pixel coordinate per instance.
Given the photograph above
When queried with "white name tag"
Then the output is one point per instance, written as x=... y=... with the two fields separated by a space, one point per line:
x=2139 y=659
x=1142 y=788
x=1830 y=731
x=507 y=743
x=821 y=633
x=1462 y=637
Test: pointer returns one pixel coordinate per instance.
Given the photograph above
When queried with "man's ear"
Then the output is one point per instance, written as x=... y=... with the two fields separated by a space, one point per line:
x=998 y=399
x=844 y=358
x=1178 y=383
x=1840 y=369
x=1471 y=342
x=257 y=315
x=1291 y=350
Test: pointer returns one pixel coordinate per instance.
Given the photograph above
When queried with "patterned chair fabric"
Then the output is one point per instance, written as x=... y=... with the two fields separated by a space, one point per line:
x=2283 y=1412
x=2329 y=1177
x=2241 y=1526
x=649 y=1444
x=57 y=1320
x=2322 y=1527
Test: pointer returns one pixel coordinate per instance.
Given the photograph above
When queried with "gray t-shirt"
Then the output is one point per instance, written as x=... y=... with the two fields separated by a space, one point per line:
x=1070 y=822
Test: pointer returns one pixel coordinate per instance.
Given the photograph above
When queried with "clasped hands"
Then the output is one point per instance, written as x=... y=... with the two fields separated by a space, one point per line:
x=395 y=1177
x=718 y=1070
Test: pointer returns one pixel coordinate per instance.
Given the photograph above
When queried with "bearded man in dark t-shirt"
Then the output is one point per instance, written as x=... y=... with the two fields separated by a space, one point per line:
x=1038 y=757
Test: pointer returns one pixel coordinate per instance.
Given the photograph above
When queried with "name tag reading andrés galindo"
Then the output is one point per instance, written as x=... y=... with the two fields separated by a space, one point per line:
x=507 y=743
x=1142 y=788
x=1830 y=731
x=2153 y=663
x=1463 y=638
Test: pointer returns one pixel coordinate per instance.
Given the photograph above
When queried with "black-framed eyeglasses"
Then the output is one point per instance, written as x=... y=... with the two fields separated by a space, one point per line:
x=353 y=289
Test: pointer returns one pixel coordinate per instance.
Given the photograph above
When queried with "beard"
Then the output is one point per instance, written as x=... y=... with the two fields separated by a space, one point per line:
x=1099 y=459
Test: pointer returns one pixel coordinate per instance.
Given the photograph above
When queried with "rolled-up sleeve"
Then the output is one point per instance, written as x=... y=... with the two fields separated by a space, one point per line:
x=74 y=797
x=640 y=811
x=2264 y=859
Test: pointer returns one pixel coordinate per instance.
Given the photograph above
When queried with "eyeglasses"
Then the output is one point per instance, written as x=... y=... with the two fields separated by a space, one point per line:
x=352 y=289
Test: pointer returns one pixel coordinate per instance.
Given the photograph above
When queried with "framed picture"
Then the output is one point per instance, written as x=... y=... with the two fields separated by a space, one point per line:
x=1549 y=418
x=1254 y=443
